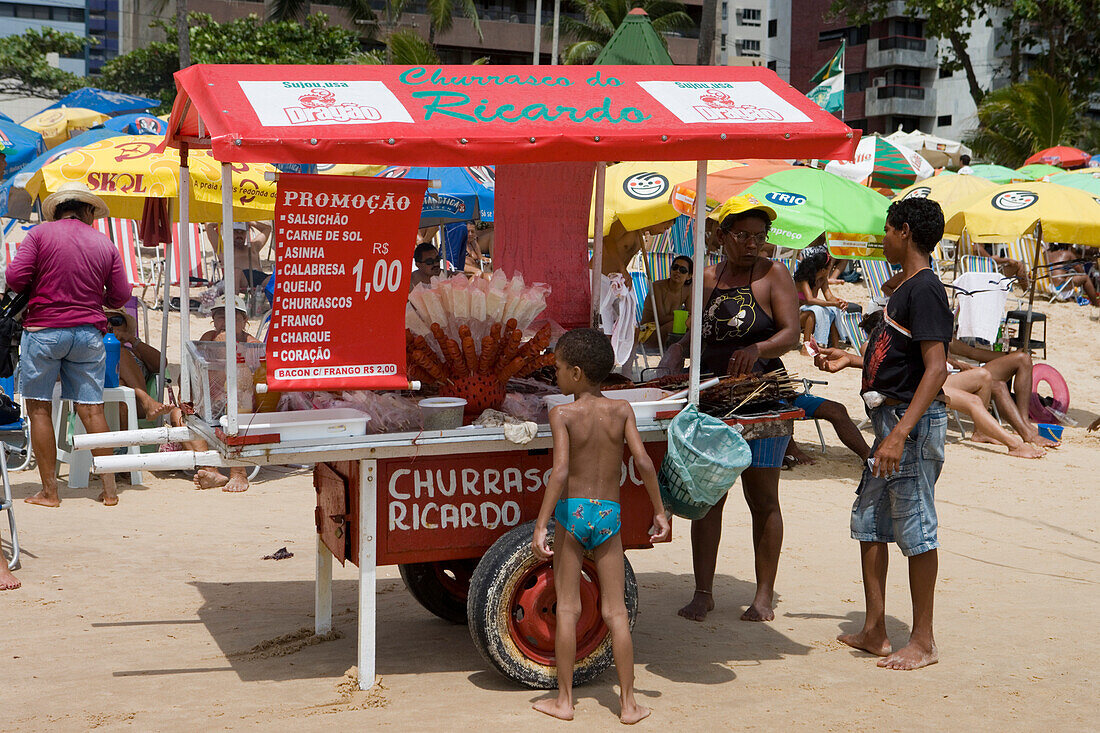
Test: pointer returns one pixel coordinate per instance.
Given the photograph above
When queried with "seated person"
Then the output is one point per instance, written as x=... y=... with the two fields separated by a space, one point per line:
x=1074 y=273
x=137 y=362
x=248 y=239
x=670 y=294
x=1008 y=267
x=620 y=246
x=819 y=309
x=427 y=260
x=969 y=391
x=834 y=413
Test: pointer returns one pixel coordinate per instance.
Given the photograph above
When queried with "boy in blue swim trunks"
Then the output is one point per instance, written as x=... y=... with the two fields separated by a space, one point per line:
x=583 y=496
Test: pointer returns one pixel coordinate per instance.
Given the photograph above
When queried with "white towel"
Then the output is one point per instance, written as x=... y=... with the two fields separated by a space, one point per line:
x=618 y=312
x=980 y=314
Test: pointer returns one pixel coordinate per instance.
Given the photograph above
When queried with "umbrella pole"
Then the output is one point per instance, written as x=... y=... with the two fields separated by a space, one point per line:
x=958 y=250
x=597 y=244
x=185 y=274
x=656 y=318
x=164 y=311
x=229 y=283
x=697 y=279
x=1031 y=291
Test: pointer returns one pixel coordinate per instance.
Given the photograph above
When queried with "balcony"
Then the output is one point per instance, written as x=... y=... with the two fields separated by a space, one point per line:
x=918 y=53
x=898 y=99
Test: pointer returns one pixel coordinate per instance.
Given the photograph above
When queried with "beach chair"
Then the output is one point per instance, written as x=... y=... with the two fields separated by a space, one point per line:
x=16 y=436
x=6 y=504
x=848 y=325
x=875 y=275
x=123 y=232
x=977 y=263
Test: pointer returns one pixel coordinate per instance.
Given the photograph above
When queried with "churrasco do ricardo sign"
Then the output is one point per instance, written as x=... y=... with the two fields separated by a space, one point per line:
x=342 y=259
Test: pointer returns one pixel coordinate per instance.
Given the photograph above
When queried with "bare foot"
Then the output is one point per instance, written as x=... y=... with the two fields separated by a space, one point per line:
x=207 y=479
x=633 y=713
x=701 y=604
x=236 y=484
x=44 y=499
x=983 y=438
x=556 y=707
x=7 y=580
x=798 y=456
x=154 y=409
x=1026 y=450
x=758 y=611
x=911 y=656
x=875 y=643
x=108 y=499
x=1042 y=442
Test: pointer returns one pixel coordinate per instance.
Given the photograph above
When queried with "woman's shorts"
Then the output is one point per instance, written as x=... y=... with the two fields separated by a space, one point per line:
x=75 y=355
x=768 y=452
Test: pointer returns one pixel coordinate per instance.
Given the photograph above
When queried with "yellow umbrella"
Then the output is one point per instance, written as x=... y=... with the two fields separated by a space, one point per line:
x=58 y=125
x=637 y=194
x=125 y=171
x=947 y=190
x=350 y=169
x=1008 y=212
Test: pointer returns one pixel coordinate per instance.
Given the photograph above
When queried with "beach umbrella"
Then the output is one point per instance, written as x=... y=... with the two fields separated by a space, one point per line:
x=349 y=169
x=882 y=165
x=1061 y=155
x=15 y=202
x=464 y=193
x=723 y=184
x=101 y=100
x=1010 y=211
x=1038 y=171
x=998 y=173
x=1094 y=161
x=58 y=125
x=1086 y=180
x=20 y=146
x=5 y=118
x=127 y=170
x=938 y=151
x=136 y=124
x=947 y=190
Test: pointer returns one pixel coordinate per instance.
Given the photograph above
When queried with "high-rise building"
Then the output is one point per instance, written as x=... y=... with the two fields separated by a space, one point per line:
x=19 y=16
x=757 y=33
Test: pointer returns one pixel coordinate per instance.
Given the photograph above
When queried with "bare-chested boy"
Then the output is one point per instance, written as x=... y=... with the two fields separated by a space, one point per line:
x=582 y=495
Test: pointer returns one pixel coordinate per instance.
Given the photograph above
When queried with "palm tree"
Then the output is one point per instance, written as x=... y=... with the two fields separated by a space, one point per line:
x=1021 y=119
x=602 y=17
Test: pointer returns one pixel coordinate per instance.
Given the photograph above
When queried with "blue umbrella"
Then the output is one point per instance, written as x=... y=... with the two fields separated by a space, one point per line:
x=464 y=194
x=1094 y=161
x=136 y=124
x=109 y=103
x=5 y=117
x=20 y=145
x=18 y=205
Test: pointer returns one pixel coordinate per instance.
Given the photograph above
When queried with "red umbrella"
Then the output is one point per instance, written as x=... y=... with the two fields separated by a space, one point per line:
x=1062 y=156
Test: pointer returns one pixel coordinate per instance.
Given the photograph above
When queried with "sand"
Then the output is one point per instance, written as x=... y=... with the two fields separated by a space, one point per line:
x=160 y=614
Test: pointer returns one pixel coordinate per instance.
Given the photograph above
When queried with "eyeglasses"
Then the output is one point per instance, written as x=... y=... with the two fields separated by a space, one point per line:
x=743 y=237
x=430 y=260
x=679 y=268
x=116 y=320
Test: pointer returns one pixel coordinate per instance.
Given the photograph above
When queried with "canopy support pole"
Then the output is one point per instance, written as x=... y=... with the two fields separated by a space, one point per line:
x=164 y=308
x=229 y=283
x=649 y=278
x=538 y=32
x=1026 y=328
x=185 y=274
x=597 y=244
x=697 y=279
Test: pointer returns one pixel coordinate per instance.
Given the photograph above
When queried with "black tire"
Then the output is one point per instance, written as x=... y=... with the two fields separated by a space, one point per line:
x=440 y=587
x=495 y=610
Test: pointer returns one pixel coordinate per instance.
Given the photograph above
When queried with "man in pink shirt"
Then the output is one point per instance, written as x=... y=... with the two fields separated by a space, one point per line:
x=71 y=272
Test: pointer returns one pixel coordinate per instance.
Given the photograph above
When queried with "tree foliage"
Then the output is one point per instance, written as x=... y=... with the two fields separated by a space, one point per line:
x=149 y=70
x=23 y=67
x=1019 y=120
x=602 y=17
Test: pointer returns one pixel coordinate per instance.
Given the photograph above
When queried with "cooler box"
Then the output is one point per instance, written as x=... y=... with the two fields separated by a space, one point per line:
x=334 y=422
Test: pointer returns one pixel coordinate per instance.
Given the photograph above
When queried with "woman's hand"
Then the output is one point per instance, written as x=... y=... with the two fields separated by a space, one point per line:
x=743 y=360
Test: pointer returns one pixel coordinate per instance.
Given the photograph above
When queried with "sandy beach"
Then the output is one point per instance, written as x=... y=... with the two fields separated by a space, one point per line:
x=160 y=613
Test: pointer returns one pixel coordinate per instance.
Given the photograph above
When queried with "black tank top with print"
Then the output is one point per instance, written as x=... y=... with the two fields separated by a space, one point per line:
x=733 y=319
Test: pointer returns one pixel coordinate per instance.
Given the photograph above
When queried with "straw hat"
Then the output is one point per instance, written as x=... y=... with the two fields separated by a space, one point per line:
x=74 y=191
x=131 y=322
x=238 y=303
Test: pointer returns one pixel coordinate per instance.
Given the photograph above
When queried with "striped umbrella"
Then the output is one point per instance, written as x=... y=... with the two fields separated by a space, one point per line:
x=882 y=165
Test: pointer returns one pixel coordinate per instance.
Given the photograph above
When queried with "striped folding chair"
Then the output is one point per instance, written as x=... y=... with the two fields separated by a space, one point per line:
x=123 y=233
x=977 y=263
x=875 y=275
x=196 y=253
x=848 y=325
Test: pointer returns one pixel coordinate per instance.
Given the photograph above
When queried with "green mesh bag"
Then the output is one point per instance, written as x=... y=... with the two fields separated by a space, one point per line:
x=705 y=456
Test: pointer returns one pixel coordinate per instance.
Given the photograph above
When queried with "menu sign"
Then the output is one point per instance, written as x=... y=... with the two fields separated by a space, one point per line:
x=343 y=252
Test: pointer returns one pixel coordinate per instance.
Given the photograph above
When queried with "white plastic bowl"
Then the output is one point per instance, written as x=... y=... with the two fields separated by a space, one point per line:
x=644 y=400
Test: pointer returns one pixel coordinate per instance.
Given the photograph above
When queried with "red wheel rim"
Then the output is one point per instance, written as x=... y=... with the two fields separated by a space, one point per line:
x=454 y=577
x=531 y=619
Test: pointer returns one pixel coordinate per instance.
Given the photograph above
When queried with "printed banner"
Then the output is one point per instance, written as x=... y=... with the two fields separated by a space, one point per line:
x=845 y=246
x=343 y=248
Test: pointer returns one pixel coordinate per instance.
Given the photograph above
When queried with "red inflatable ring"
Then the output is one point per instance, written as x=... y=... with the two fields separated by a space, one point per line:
x=1037 y=411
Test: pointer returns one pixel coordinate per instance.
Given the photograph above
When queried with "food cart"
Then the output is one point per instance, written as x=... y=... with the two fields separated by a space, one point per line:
x=453 y=507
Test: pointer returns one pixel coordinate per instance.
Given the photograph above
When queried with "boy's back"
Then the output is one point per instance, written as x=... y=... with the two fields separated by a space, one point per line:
x=596 y=427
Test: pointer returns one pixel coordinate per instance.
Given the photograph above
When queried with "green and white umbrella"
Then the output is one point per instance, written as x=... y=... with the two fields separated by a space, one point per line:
x=999 y=173
x=882 y=165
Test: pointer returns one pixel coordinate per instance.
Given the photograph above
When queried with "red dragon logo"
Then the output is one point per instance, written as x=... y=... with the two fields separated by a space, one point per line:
x=319 y=105
x=318 y=98
x=718 y=105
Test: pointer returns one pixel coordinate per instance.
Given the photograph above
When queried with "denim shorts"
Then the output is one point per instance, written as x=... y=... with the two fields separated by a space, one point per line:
x=74 y=354
x=901 y=508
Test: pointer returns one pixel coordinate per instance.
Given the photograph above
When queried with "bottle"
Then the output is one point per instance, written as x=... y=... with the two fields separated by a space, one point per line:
x=114 y=351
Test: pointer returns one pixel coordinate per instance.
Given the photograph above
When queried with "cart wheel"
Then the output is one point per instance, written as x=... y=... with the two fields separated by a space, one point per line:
x=511 y=611
x=440 y=587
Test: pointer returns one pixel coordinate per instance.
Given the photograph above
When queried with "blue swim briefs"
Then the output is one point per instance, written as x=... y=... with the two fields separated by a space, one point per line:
x=591 y=521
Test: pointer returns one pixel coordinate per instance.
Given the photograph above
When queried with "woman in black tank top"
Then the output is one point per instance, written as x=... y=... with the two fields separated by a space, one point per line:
x=749 y=320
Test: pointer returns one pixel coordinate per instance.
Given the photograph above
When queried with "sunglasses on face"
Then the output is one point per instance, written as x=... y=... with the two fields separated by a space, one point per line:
x=116 y=320
x=679 y=268
x=742 y=237
x=430 y=260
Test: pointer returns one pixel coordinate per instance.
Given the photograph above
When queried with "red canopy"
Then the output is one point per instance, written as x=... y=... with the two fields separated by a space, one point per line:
x=465 y=115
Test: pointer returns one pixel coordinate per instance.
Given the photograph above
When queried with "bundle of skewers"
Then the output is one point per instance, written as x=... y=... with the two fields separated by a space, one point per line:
x=472 y=352
x=740 y=393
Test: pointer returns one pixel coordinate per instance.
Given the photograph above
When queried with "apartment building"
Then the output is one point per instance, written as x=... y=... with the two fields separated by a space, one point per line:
x=757 y=33
x=19 y=16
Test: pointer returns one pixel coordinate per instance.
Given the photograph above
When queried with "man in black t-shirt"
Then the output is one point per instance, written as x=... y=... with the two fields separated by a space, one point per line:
x=904 y=368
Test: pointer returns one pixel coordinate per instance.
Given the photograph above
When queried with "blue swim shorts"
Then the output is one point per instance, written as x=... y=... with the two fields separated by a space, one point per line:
x=768 y=452
x=74 y=354
x=901 y=508
x=591 y=521
x=808 y=403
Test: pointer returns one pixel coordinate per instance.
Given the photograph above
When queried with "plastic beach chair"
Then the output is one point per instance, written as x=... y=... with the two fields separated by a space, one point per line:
x=19 y=426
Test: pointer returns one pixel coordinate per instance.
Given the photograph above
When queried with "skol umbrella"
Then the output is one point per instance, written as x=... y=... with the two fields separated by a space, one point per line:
x=947 y=189
x=998 y=173
x=1038 y=171
x=1085 y=181
x=463 y=194
x=636 y=194
x=938 y=151
x=101 y=100
x=20 y=146
x=882 y=165
x=125 y=171
x=136 y=124
x=15 y=203
x=1060 y=155
x=58 y=125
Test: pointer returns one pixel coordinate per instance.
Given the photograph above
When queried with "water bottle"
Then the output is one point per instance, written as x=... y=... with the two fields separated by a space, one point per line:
x=114 y=350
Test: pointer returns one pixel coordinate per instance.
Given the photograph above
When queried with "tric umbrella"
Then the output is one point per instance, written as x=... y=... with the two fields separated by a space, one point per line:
x=1060 y=155
x=1038 y=171
x=101 y=100
x=882 y=165
x=464 y=193
x=136 y=124
x=20 y=146
x=58 y=125
x=998 y=173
